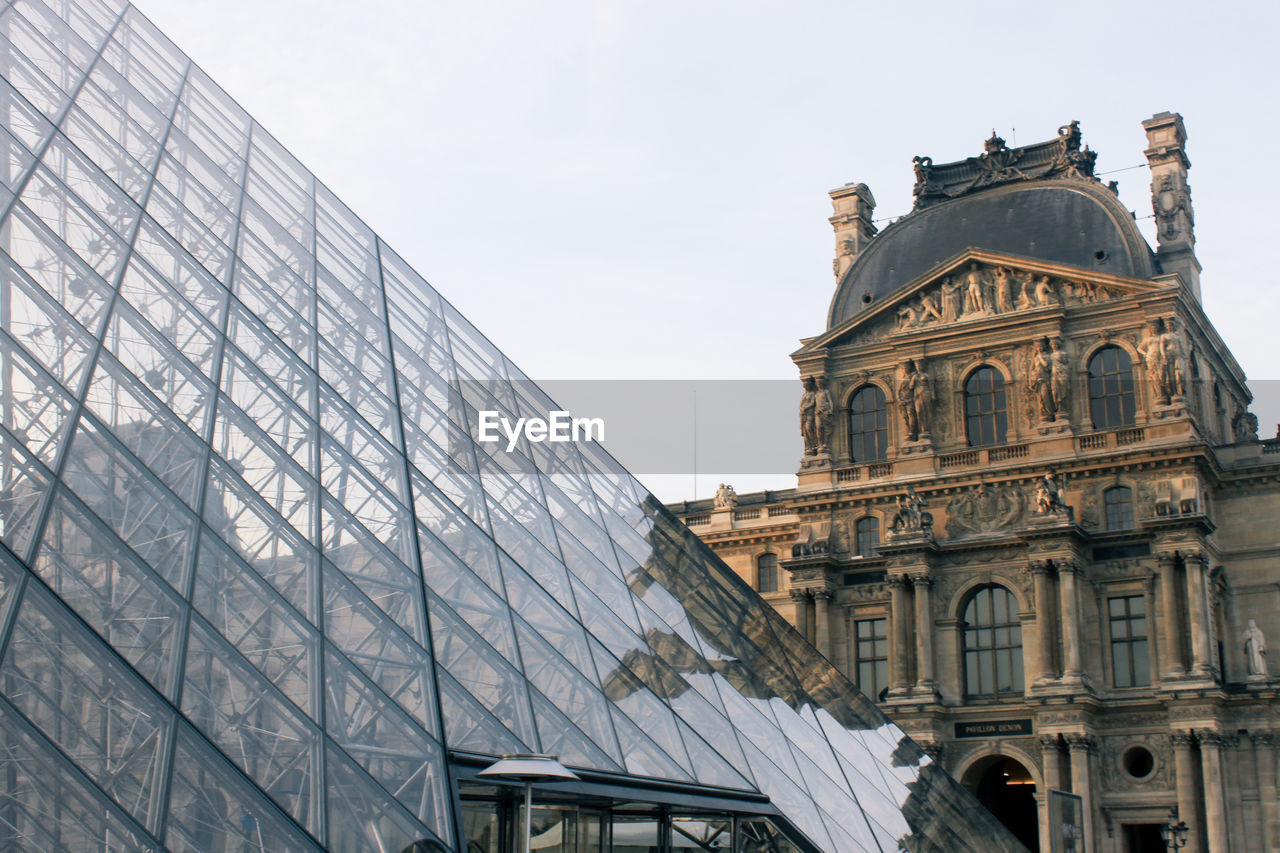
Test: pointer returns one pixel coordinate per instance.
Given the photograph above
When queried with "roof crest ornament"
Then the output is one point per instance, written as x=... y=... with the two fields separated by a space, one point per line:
x=998 y=164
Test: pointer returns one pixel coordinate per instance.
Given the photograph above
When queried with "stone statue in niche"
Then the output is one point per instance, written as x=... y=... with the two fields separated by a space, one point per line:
x=816 y=408
x=1176 y=350
x=1255 y=650
x=726 y=497
x=1040 y=379
x=1004 y=290
x=1049 y=496
x=915 y=396
x=1155 y=360
x=808 y=418
x=1060 y=377
x=823 y=410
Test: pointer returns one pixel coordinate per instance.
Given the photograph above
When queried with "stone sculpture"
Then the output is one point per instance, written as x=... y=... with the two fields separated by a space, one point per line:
x=1255 y=650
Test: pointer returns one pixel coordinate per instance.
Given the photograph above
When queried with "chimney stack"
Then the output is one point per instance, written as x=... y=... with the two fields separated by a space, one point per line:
x=853 y=205
x=1171 y=197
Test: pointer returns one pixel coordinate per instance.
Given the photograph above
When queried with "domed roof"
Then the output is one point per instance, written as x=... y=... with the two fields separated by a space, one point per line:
x=1069 y=221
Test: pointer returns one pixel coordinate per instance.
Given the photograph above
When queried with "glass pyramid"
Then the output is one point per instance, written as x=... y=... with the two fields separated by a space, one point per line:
x=261 y=589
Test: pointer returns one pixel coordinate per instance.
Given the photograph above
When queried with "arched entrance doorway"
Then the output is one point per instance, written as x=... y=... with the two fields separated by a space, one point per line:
x=1005 y=787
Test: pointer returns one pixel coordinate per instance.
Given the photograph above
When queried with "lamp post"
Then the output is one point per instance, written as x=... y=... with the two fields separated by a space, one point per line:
x=1174 y=834
x=527 y=769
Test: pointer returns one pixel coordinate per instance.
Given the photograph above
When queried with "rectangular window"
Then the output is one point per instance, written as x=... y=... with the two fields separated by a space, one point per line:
x=1130 y=661
x=871 y=656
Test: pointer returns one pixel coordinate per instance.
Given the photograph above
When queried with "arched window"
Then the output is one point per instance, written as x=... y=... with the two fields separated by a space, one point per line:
x=767 y=573
x=868 y=530
x=1111 y=398
x=1118 y=505
x=992 y=644
x=985 y=410
x=868 y=425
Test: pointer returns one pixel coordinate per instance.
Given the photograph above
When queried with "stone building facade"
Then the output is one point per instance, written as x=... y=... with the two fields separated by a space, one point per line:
x=1034 y=519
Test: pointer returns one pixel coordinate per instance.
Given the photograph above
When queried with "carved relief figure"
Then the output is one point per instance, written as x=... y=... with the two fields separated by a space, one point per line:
x=1255 y=649
x=975 y=292
x=984 y=509
x=906 y=317
x=726 y=497
x=1044 y=292
x=952 y=300
x=1004 y=290
x=928 y=310
x=1025 y=298
x=915 y=395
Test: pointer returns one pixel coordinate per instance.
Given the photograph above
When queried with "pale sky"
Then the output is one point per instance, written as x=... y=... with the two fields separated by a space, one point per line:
x=638 y=190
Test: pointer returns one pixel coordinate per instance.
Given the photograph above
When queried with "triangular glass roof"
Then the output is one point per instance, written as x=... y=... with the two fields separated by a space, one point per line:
x=260 y=585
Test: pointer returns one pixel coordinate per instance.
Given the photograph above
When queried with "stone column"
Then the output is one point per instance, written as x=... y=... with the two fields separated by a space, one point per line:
x=1188 y=803
x=822 y=621
x=1051 y=758
x=924 y=632
x=1215 y=806
x=1198 y=605
x=1264 y=745
x=1051 y=755
x=801 y=599
x=1171 y=658
x=1081 y=748
x=898 y=652
x=1070 y=602
x=1045 y=670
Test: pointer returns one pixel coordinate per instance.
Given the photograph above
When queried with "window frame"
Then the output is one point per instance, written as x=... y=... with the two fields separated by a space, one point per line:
x=1123 y=518
x=1113 y=398
x=1136 y=674
x=974 y=652
x=876 y=659
x=879 y=430
x=776 y=582
x=976 y=420
x=872 y=526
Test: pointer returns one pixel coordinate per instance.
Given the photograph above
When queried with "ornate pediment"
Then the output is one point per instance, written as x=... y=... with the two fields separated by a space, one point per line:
x=973 y=287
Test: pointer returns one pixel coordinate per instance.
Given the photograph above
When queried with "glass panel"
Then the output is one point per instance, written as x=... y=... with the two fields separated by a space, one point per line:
x=49 y=807
x=271 y=636
x=252 y=726
x=362 y=816
x=400 y=667
x=91 y=707
x=23 y=485
x=97 y=576
x=213 y=810
x=388 y=745
x=140 y=511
